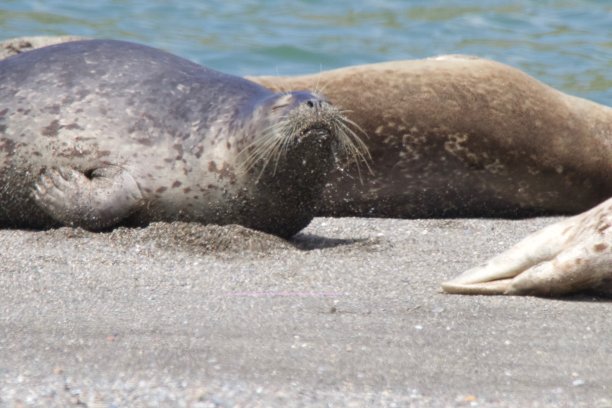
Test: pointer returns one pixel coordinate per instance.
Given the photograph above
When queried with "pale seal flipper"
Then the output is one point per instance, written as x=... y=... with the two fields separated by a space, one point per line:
x=569 y=256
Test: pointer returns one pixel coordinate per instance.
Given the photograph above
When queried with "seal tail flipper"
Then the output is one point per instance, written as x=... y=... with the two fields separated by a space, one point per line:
x=570 y=271
x=94 y=203
x=496 y=287
x=536 y=248
x=569 y=256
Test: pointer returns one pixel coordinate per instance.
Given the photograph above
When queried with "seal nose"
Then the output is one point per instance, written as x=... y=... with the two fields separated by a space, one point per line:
x=314 y=103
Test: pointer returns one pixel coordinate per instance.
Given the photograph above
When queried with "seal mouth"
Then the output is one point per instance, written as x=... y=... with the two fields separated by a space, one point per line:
x=320 y=132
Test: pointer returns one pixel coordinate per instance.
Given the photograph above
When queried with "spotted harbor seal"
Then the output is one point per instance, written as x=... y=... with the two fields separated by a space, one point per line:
x=462 y=136
x=569 y=256
x=102 y=133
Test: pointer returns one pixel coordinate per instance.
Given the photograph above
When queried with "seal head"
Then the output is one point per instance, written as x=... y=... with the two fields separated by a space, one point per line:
x=291 y=144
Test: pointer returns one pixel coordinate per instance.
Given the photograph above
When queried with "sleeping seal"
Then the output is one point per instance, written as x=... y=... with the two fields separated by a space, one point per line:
x=103 y=133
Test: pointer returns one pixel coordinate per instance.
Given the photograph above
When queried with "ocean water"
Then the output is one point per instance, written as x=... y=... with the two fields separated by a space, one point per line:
x=565 y=43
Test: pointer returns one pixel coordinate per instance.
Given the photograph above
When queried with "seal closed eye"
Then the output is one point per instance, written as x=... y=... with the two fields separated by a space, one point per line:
x=103 y=133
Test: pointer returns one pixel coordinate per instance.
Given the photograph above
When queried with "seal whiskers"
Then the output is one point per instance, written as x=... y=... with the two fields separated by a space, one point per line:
x=265 y=148
x=351 y=145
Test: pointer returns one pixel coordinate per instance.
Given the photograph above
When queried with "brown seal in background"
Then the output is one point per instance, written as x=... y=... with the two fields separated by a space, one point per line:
x=462 y=136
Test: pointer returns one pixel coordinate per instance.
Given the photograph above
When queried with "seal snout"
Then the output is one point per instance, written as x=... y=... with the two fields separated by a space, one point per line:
x=316 y=103
x=320 y=111
x=308 y=114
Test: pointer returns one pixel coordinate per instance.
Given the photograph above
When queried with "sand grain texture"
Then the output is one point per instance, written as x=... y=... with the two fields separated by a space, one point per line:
x=348 y=312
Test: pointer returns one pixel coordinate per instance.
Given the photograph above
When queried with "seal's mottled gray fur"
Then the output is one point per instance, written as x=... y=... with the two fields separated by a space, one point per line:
x=114 y=133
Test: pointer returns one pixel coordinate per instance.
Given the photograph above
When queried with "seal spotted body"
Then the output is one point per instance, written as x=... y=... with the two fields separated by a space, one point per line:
x=113 y=133
x=461 y=136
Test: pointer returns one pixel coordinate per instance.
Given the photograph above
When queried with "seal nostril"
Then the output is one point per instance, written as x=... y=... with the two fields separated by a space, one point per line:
x=310 y=104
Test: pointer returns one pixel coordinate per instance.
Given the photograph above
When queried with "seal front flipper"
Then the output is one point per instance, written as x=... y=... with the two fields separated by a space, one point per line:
x=96 y=201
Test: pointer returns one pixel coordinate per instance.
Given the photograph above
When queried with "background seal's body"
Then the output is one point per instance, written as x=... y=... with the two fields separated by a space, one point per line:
x=458 y=136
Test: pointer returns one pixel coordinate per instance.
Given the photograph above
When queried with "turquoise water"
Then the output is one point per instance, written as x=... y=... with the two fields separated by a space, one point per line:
x=567 y=44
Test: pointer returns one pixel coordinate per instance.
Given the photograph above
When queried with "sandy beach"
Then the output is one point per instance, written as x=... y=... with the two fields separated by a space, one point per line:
x=347 y=313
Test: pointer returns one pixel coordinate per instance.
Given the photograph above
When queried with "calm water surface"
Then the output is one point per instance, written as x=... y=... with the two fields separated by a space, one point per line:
x=567 y=44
